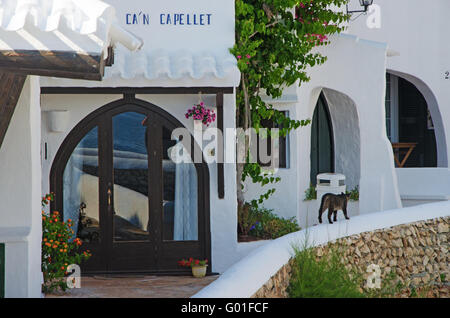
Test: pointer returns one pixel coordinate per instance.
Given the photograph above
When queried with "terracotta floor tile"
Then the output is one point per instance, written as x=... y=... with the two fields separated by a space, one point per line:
x=137 y=287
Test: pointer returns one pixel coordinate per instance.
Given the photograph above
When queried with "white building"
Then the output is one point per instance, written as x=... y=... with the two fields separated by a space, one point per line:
x=382 y=87
x=103 y=146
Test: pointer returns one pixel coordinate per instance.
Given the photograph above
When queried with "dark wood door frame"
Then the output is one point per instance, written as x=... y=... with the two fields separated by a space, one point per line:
x=130 y=92
x=97 y=118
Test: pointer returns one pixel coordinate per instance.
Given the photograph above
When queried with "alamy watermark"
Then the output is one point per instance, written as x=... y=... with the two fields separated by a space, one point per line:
x=73 y=280
x=213 y=146
x=374 y=279
x=373 y=20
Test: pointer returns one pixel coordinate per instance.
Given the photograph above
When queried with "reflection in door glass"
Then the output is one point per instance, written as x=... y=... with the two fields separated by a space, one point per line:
x=130 y=162
x=180 y=208
x=80 y=189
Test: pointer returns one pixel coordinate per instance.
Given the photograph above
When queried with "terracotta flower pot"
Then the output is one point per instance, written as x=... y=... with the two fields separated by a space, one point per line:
x=199 y=271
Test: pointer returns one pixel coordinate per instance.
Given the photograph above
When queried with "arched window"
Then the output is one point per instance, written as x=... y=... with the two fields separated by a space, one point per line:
x=322 y=143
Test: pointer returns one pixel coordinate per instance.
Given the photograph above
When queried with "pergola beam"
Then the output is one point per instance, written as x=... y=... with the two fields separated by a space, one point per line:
x=66 y=64
x=10 y=88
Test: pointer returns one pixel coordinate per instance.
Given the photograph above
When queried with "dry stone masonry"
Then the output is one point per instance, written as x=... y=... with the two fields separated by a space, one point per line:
x=416 y=252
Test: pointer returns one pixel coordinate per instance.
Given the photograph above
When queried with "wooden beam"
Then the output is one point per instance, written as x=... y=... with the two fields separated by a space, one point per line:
x=10 y=88
x=137 y=90
x=2 y=270
x=220 y=147
x=65 y=64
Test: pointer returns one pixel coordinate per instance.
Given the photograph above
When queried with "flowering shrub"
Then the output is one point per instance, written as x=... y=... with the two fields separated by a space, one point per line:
x=200 y=112
x=58 y=249
x=192 y=262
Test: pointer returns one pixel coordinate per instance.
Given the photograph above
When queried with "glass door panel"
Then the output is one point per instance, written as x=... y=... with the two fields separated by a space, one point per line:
x=180 y=197
x=130 y=170
x=80 y=189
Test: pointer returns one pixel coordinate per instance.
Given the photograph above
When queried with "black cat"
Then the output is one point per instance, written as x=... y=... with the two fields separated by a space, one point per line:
x=334 y=202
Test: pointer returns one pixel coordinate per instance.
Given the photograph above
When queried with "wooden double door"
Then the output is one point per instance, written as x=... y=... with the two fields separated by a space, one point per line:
x=134 y=207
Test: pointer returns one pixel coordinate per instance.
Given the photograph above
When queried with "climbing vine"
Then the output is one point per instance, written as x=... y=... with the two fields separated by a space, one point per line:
x=274 y=48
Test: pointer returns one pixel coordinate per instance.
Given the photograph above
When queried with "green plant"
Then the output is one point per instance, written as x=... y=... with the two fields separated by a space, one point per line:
x=270 y=226
x=59 y=250
x=354 y=194
x=324 y=277
x=274 y=48
x=246 y=218
x=310 y=193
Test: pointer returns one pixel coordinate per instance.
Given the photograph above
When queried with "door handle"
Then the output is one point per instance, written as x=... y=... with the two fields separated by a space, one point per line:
x=109 y=192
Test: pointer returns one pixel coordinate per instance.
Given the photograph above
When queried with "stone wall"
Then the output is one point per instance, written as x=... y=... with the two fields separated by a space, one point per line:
x=416 y=252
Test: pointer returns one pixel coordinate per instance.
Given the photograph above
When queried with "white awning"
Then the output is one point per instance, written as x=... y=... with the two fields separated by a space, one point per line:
x=161 y=68
x=83 y=26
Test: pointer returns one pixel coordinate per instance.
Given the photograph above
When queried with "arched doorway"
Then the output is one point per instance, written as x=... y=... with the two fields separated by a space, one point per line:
x=322 y=143
x=409 y=120
x=132 y=205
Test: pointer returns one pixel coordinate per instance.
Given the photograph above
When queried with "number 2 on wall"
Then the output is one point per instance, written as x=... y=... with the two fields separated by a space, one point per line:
x=447 y=75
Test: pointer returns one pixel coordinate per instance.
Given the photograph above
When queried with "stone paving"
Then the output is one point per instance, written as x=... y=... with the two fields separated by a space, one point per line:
x=137 y=287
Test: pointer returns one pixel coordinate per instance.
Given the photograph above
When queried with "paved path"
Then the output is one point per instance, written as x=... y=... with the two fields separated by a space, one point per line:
x=137 y=287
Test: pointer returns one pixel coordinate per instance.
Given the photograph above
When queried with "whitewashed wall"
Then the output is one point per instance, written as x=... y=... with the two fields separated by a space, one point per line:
x=285 y=200
x=417 y=33
x=20 y=193
x=364 y=85
x=347 y=142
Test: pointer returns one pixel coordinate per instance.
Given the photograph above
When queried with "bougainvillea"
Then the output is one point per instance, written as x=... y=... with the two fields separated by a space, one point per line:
x=274 y=47
x=59 y=248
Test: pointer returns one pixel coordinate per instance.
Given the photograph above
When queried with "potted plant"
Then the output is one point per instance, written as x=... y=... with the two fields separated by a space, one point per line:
x=201 y=114
x=198 y=266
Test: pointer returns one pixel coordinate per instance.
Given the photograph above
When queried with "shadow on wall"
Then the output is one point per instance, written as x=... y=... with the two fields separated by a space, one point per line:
x=347 y=144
